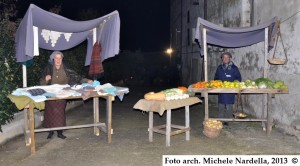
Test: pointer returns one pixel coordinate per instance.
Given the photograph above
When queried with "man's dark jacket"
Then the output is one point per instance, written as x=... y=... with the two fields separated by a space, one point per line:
x=230 y=73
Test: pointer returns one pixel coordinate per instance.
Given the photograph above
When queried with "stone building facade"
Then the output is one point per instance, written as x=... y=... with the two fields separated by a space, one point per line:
x=250 y=60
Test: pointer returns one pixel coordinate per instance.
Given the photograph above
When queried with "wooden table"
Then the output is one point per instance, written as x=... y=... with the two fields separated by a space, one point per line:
x=269 y=93
x=160 y=107
x=29 y=129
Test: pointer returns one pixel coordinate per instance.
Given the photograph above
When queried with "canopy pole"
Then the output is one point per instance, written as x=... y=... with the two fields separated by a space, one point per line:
x=266 y=64
x=266 y=73
x=205 y=54
x=205 y=95
x=24 y=76
x=94 y=35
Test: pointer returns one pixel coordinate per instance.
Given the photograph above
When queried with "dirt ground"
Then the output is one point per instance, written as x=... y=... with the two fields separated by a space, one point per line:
x=130 y=145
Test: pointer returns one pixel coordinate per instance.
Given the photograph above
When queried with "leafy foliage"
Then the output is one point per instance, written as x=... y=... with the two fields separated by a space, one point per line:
x=10 y=71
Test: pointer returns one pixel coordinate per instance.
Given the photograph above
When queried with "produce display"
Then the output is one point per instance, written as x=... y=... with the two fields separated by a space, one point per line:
x=202 y=84
x=183 y=88
x=155 y=96
x=168 y=94
x=175 y=94
x=259 y=83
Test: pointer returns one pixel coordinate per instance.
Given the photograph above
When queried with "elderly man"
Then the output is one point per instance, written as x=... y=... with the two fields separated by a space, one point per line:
x=227 y=71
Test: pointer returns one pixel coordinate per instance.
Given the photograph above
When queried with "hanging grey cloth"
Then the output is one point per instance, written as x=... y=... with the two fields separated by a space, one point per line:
x=235 y=37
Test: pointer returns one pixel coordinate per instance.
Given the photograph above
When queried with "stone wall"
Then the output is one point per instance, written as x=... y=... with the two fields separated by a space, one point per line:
x=250 y=60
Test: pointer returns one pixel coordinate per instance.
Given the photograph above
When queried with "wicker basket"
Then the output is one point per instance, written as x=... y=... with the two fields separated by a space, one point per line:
x=211 y=132
x=277 y=61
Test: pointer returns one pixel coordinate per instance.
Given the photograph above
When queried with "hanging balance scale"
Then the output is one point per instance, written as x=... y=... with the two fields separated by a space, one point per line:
x=275 y=60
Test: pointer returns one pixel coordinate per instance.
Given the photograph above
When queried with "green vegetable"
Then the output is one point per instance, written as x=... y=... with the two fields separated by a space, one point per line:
x=267 y=83
x=171 y=92
x=279 y=85
x=262 y=85
x=262 y=82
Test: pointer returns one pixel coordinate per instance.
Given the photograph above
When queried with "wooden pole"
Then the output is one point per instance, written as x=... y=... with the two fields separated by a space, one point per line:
x=205 y=71
x=205 y=54
x=94 y=35
x=206 y=114
x=108 y=117
x=26 y=127
x=24 y=76
x=168 y=128
x=266 y=72
x=269 y=115
x=96 y=115
x=31 y=118
x=187 y=122
x=150 y=126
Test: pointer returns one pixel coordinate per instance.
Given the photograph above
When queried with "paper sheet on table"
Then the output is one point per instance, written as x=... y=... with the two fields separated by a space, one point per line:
x=161 y=106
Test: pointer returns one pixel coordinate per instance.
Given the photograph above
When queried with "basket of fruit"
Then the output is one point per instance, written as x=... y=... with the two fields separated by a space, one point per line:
x=212 y=128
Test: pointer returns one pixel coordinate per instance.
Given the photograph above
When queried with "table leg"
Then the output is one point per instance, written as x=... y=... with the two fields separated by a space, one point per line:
x=269 y=115
x=26 y=128
x=206 y=115
x=187 y=122
x=264 y=111
x=96 y=115
x=108 y=117
x=150 y=126
x=31 y=118
x=168 y=128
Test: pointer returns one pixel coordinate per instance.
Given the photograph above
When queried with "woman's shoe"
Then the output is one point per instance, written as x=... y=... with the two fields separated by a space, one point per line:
x=50 y=134
x=225 y=124
x=60 y=134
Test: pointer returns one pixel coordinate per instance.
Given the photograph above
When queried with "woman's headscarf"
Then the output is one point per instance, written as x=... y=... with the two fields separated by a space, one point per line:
x=53 y=55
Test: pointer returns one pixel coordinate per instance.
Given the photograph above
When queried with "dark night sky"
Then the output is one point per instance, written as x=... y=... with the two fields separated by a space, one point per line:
x=144 y=24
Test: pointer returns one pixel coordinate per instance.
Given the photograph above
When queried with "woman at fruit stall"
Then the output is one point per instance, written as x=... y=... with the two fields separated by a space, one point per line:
x=58 y=72
x=227 y=71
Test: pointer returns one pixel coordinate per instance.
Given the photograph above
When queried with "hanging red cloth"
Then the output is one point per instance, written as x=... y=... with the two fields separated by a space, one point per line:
x=96 y=69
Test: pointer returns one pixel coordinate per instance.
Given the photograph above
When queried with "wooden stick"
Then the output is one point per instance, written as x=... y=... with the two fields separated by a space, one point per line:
x=70 y=127
x=96 y=115
x=150 y=129
x=187 y=122
x=26 y=128
x=108 y=116
x=31 y=118
x=240 y=120
x=168 y=128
